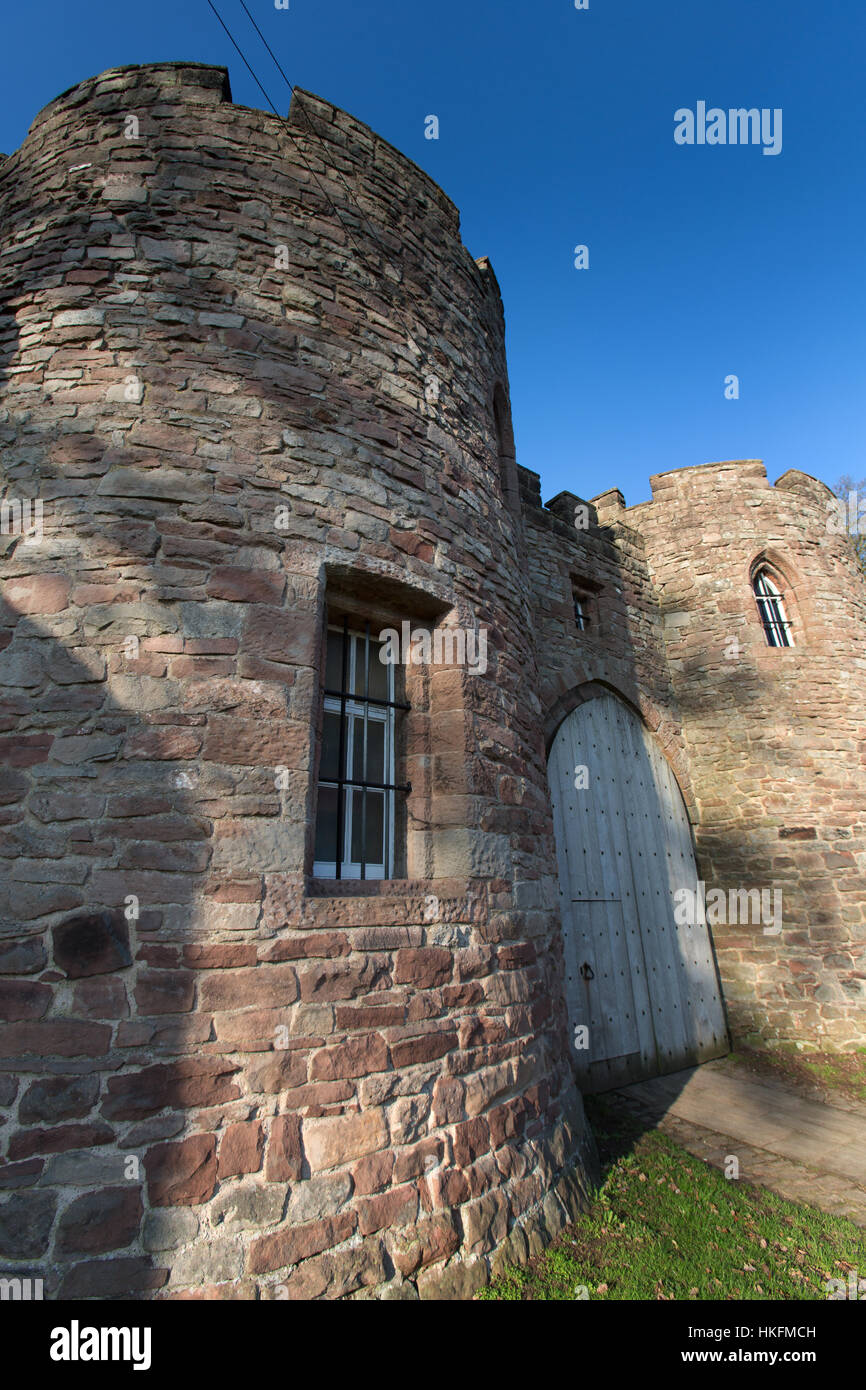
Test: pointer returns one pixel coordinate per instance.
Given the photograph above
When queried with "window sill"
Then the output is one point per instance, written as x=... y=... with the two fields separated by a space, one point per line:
x=404 y=888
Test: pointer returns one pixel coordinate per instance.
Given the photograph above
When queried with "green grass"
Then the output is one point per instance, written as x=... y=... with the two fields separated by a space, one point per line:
x=665 y=1225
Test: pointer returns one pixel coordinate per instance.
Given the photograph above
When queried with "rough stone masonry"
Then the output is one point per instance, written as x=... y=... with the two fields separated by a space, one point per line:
x=256 y=382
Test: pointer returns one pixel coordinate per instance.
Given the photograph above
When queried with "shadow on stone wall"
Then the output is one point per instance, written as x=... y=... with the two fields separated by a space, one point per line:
x=120 y=934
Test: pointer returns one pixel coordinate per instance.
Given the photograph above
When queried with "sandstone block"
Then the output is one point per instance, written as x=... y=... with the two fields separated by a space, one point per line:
x=335 y=1140
x=100 y=1221
x=182 y=1174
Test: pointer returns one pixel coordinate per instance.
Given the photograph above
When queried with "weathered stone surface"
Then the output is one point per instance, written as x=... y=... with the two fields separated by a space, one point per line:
x=166 y=484
x=92 y=944
x=164 y=992
x=22 y=957
x=57 y=1037
x=194 y=1081
x=335 y=1140
x=265 y=985
x=299 y=1242
x=218 y=1261
x=395 y=1209
x=458 y=1283
x=37 y=593
x=358 y=1056
x=100 y=1221
x=240 y=1150
x=278 y=1072
x=101 y=996
x=84 y=1168
x=25 y=1224
x=24 y=999
x=183 y=1173
x=284 y=1153
x=51 y=1141
x=424 y=968
x=401 y=1046
x=121 y=1278
x=8 y=1089
x=58 y=1098
x=317 y=1198
x=169 y=1228
x=243 y=1206
x=426 y=1243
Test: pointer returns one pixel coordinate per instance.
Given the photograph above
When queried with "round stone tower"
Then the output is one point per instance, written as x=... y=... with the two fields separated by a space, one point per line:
x=770 y=692
x=255 y=414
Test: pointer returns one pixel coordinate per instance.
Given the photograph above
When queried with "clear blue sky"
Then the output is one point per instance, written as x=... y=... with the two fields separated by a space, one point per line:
x=556 y=128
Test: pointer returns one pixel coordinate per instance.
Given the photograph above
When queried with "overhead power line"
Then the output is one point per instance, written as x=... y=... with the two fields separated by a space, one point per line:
x=288 y=130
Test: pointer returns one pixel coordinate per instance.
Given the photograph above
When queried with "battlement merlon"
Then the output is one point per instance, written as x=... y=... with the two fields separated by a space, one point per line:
x=203 y=84
x=684 y=485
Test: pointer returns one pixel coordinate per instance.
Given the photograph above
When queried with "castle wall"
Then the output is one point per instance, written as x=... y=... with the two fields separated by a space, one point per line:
x=571 y=546
x=774 y=736
x=223 y=1077
x=257 y=384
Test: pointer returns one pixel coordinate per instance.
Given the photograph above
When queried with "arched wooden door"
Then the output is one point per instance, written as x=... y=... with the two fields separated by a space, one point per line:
x=644 y=988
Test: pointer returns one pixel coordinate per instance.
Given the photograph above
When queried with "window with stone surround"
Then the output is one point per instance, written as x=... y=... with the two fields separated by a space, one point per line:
x=584 y=596
x=771 y=609
x=387 y=733
x=357 y=810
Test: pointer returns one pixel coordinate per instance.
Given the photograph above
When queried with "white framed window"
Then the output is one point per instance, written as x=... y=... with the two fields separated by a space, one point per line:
x=777 y=628
x=356 y=807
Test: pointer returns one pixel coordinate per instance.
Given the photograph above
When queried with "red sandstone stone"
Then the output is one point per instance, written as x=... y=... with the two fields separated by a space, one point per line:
x=392 y=1209
x=335 y=1140
x=184 y=1083
x=101 y=997
x=164 y=992
x=284 y=1154
x=219 y=957
x=321 y=945
x=180 y=549
x=100 y=1221
x=264 y=985
x=37 y=593
x=163 y=744
x=24 y=999
x=60 y=1140
x=182 y=1174
x=240 y=1150
x=430 y=1241
x=246 y=586
x=342 y=981
x=61 y=1037
x=279 y=1072
x=424 y=967
x=358 y=1056
x=373 y=1173
x=426 y=1047
x=297 y=1243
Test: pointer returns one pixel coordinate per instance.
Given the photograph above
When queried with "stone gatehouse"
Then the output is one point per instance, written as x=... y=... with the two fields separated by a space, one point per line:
x=308 y=957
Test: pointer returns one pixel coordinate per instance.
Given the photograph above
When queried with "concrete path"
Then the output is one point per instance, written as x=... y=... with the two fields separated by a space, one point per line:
x=806 y=1150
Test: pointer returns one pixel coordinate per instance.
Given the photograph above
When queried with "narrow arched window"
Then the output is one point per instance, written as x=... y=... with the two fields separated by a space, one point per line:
x=505 y=448
x=777 y=628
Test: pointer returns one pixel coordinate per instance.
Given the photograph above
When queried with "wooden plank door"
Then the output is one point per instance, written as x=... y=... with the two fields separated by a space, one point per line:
x=644 y=988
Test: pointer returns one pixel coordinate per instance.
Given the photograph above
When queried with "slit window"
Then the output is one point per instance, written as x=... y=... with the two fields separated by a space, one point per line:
x=585 y=605
x=777 y=628
x=357 y=806
x=581 y=612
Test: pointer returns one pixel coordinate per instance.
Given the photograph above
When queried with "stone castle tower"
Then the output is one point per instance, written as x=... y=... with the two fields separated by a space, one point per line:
x=290 y=966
